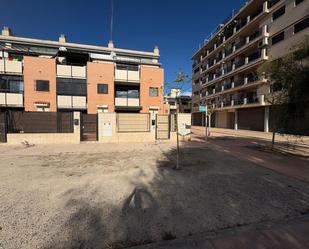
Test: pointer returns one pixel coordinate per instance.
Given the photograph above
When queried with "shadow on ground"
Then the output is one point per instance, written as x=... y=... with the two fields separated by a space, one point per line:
x=285 y=148
x=211 y=192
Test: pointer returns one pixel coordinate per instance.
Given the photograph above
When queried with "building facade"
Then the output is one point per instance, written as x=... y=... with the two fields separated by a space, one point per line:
x=51 y=76
x=225 y=68
x=183 y=105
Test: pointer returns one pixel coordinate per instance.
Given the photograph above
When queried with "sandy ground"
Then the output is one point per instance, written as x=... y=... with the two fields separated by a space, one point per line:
x=111 y=196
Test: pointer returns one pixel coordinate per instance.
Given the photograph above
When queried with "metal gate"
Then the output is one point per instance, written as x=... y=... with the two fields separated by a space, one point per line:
x=89 y=127
x=3 y=128
x=163 y=127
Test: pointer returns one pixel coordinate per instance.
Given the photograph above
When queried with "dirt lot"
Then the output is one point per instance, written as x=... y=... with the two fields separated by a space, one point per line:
x=113 y=196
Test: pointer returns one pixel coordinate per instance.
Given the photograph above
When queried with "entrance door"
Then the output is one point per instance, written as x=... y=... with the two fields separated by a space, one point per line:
x=89 y=127
x=3 y=127
x=163 y=127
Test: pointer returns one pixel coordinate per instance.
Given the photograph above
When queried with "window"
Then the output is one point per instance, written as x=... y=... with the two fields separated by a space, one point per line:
x=68 y=86
x=278 y=13
x=11 y=84
x=127 y=67
x=298 y=2
x=103 y=88
x=301 y=25
x=127 y=92
x=42 y=85
x=277 y=38
x=153 y=92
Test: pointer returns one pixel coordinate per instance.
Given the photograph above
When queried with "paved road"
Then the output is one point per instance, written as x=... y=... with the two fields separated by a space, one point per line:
x=244 y=145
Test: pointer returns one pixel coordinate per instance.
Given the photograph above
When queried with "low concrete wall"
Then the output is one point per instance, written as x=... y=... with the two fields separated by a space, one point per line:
x=42 y=138
x=47 y=138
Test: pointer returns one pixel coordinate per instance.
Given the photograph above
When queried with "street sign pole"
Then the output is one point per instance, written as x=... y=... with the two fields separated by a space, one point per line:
x=203 y=108
x=206 y=125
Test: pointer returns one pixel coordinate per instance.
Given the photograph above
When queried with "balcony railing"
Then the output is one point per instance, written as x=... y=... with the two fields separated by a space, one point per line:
x=8 y=66
x=219 y=73
x=227 y=86
x=254 y=56
x=68 y=71
x=252 y=99
x=240 y=63
x=211 y=77
x=128 y=75
x=255 y=35
x=196 y=70
x=71 y=102
x=211 y=63
x=129 y=102
x=238 y=82
x=11 y=99
x=228 y=51
x=241 y=43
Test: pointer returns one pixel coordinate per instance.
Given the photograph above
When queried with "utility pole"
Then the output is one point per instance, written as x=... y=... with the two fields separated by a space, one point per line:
x=206 y=125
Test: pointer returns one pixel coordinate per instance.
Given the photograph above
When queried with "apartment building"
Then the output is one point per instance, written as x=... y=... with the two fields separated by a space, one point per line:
x=50 y=76
x=225 y=67
x=177 y=102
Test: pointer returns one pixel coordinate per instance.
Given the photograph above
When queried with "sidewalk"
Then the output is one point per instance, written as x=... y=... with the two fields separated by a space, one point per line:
x=289 y=235
x=257 y=134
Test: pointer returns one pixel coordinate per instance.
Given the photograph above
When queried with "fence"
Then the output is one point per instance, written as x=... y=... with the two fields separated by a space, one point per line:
x=40 y=122
x=133 y=122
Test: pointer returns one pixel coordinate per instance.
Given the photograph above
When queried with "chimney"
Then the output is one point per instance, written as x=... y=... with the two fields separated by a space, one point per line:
x=110 y=44
x=156 y=50
x=62 y=38
x=6 y=31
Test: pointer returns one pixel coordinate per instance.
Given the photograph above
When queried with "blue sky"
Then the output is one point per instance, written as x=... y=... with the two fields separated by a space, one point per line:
x=176 y=26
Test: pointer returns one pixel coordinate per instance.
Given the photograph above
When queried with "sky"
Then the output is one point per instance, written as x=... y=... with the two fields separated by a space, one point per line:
x=178 y=27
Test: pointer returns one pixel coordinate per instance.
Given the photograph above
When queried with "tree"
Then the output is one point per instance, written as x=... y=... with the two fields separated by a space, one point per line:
x=181 y=79
x=288 y=95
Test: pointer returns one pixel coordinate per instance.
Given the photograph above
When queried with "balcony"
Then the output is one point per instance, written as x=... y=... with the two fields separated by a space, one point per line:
x=13 y=67
x=240 y=27
x=68 y=71
x=127 y=102
x=238 y=82
x=127 y=73
x=11 y=99
x=228 y=51
x=241 y=43
x=240 y=63
x=71 y=102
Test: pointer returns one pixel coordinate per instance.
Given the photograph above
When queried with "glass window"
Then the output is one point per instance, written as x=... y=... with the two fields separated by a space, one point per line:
x=42 y=85
x=127 y=92
x=277 y=38
x=103 y=88
x=133 y=94
x=121 y=94
x=278 y=13
x=301 y=25
x=68 y=86
x=153 y=92
x=127 y=67
x=13 y=84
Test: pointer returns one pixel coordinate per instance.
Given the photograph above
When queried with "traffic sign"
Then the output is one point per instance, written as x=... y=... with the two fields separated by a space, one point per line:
x=202 y=108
